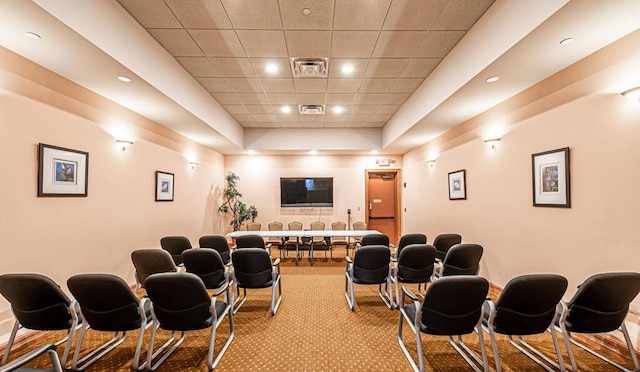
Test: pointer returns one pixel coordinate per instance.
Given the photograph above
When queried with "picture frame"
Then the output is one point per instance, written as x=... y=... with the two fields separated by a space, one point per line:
x=457 y=185
x=62 y=172
x=164 y=186
x=551 y=178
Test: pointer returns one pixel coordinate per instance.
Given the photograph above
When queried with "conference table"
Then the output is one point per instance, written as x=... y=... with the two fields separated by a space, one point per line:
x=303 y=234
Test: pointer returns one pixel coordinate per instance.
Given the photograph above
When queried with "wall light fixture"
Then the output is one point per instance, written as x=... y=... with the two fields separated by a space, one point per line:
x=124 y=144
x=492 y=142
x=632 y=94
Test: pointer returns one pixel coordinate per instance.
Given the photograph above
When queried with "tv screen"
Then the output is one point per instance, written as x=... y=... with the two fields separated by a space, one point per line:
x=306 y=192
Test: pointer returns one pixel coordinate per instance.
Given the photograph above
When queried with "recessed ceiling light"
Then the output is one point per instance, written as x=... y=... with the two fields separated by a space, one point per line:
x=347 y=68
x=313 y=152
x=124 y=79
x=306 y=11
x=34 y=36
x=272 y=68
x=338 y=110
x=566 y=41
x=285 y=109
x=493 y=79
x=251 y=152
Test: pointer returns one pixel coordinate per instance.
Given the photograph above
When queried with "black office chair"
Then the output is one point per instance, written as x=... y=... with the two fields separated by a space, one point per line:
x=252 y=268
x=461 y=259
x=443 y=242
x=370 y=266
x=217 y=242
x=528 y=305
x=37 y=303
x=17 y=365
x=151 y=261
x=452 y=307
x=600 y=305
x=409 y=239
x=416 y=264
x=374 y=239
x=175 y=245
x=207 y=264
x=180 y=303
x=252 y=241
x=105 y=303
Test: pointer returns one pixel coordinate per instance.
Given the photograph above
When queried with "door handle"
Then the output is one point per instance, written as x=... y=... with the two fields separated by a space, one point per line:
x=370 y=206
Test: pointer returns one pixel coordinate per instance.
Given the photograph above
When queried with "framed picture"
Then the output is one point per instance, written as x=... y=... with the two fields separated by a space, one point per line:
x=62 y=172
x=551 y=179
x=457 y=185
x=164 y=186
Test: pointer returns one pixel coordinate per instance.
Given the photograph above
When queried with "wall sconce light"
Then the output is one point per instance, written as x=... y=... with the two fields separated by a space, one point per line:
x=492 y=142
x=124 y=144
x=632 y=94
x=193 y=164
x=431 y=163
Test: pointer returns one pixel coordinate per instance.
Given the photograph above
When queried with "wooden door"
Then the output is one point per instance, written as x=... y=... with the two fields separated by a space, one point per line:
x=383 y=203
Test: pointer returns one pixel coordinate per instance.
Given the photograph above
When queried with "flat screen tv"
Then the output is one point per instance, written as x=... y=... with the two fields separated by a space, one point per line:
x=306 y=192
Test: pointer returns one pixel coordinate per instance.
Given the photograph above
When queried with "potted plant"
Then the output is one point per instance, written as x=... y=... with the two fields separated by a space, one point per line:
x=233 y=206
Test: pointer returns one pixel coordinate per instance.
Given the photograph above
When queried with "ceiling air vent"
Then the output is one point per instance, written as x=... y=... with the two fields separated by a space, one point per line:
x=311 y=109
x=309 y=67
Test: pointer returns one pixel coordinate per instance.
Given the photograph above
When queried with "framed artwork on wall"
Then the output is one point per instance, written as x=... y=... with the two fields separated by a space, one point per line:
x=62 y=171
x=457 y=185
x=551 y=187
x=164 y=186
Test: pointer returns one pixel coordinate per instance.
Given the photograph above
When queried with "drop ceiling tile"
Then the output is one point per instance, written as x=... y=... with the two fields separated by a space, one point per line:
x=260 y=109
x=270 y=125
x=244 y=119
x=376 y=85
x=338 y=118
x=343 y=85
x=334 y=125
x=215 y=85
x=282 y=98
x=308 y=44
x=263 y=43
x=310 y=99
x=353 y=44
x=398 y=44
x=218 y=43
x=226 y=98
x=412 y=14
x=397 y=98
x=461 y=14
x=266 y=118
x=420 y=67
x=198 y=66
x=371 y=99
x=387 y=109
x=438 y=44
x=277 y=85
x=367 y=125
x=312 y=118
x=406 y=85
x=236 y=110
x=370 y=118
x=260 y=67
x=253 y=124
x=363 y=110
x=233 y=67
x=320 y=17
x=330 y=110
x=177 y=42
x=252 y=98
x=244 y=85
x=199 y=13
x=290 y=125
x=370 y=14
x=340 y=99
x=253 y=15
x=359 y=67
x=385 y=68
x=310 y=85
x=291 y=118
x=151 y=13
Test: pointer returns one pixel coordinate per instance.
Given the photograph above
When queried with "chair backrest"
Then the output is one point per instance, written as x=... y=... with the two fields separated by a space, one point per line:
x=408 y=239
x=317 y=225
x=180 y=301
x=602 y=302
x=375 y=239
x=252 y=267
x=359 y=225
x=453 y=305
x=175 y=245
x=250 y=241
x=527 y=304
x=338 y=225
x=462 y=259
x=36 y=301
x=276 y=226
x=254 y=226
x=217 y=242
x=371 y=264
x=443 y=242
x=416 y=263
x=151 y=261
x=107 y=302
x=207 y=264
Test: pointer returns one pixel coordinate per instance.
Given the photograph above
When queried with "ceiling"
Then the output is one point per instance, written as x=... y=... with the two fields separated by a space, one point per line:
x=419 y=66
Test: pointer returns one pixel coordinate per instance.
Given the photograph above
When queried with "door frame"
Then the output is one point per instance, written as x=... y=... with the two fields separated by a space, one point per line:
x=397 y=207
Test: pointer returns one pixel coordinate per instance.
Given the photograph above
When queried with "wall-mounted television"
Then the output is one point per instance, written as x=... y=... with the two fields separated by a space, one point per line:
x=306 y=192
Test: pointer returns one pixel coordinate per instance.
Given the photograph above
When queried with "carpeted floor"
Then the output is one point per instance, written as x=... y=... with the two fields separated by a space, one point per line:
x=314 y=330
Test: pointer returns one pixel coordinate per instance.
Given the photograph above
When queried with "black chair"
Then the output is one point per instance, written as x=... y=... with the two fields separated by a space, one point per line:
x=461 y=259
x=252 y=241
x=175 y=245
x=180 y=303
x=375 y=239
x=452 y=306
x=600 y=305
x=105 y=303
x=207 y=264
x=217 y=242
x=18 y=364
x=151 y=261
x=528 y=305
x=252 y=268
x=409 y=239
x=370 y=266
x=37 y=303
x=443 y=242
x=416 y=264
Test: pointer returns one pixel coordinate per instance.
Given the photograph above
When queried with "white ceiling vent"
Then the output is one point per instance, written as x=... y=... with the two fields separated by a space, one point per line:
x=309 y=67
x=311 y=109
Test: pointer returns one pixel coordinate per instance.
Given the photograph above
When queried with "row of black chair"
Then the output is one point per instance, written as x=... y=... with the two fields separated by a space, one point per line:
x=175 y=245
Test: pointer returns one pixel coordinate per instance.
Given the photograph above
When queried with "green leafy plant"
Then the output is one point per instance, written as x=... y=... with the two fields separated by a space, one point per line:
x=233 y=206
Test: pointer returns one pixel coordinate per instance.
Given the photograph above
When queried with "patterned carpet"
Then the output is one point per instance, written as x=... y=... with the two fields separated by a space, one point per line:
x=314 y=330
